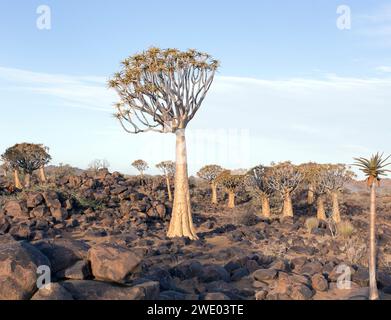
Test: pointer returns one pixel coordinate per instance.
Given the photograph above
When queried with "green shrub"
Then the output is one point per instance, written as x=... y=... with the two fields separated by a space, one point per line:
x=311 y=224
x=345 y=229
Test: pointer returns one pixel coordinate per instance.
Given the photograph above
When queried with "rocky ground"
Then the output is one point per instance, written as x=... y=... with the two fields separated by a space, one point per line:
x=103 y=237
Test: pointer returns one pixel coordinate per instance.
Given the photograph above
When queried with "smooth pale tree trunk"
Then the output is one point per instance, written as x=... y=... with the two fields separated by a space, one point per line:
x=181 y=224
x=42 y=175
x=27 y=180
x=287 y=210
x=231 y=199
x=336 y=214
x=265 y=207
x=168 y=188
x=320 y=211
x=310 y=195
x=214 y=192
x=373 y=292
x=18 y=185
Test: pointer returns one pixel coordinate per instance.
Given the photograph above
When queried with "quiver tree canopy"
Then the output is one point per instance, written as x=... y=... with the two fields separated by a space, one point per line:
x=162 y=89
x=167 y=168
x=27 y=157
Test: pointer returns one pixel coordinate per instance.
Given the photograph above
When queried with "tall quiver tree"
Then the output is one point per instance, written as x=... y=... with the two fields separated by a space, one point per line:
x=257 y=182
x=161 y=91
x=374 y=169
x=27 y=157
x=168 y=169
x=210 y=173
x=334 y=178
x=284 y=179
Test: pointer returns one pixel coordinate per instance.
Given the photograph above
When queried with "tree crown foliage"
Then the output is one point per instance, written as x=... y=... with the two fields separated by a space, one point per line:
x=167 y=167
x=335 y=176
x=210 y=172
x=162 y=89
x=140 y=165
x=374 y=167
x=230 y=181
x=284 y=177
x=27 y=156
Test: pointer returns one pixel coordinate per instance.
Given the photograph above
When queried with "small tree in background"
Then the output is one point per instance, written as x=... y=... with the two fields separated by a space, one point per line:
x=27 y=157
x=161 y=91
x=98 y=164
x=168 y=169
x=333 y=179
x=257 y=183
x=320 y=192
x=141 y=166
x=231 y=183
x=310 y=174
x=210 y=173
x=374 y=169
x=284 y=179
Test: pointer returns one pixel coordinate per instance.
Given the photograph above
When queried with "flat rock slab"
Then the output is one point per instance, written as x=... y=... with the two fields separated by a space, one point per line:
x=97 y=290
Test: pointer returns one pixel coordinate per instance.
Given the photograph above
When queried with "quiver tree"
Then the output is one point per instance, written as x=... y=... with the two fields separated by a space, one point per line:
x=168 y=169
x=98 y=164
x=333 y=179
x=231 y=183
x=27 y=157
x=320 y=191
x=374 y=169
x=310 y=174
x=210 y=173
x=257 y=183
x=284 y=178
x=161 y=91
x=141 y=166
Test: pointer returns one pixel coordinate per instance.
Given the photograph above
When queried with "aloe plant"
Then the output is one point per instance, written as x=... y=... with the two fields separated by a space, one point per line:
x=373 y=168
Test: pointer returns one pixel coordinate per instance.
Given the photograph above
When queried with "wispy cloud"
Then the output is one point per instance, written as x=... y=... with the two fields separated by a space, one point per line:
x=385 y=69
x=86 y=92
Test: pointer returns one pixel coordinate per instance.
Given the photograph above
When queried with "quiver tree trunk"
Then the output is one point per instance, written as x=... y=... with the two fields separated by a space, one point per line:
x=231 y=199
x=287 y=210
x=18 y=184
x=27 y=179
x=181 y=224
x=42 y=175
x=336 y=213
x=213 y=186
x=320 y=211
x=265 y=206
x=310 y=194
x=168 y=188
x=373 y=292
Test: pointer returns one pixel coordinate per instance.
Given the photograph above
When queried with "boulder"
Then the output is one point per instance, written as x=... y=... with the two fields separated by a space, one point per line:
x=34 y=199
x=112 y=262
x=63 y=253
x=264 y=274
x=53 y=291
x=19 y=262
x=14 y=209
x=214 y=273
x=319 y=282
x=96 y=290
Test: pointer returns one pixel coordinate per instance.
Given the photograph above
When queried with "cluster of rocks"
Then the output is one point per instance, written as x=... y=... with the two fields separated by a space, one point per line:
x=105 y=204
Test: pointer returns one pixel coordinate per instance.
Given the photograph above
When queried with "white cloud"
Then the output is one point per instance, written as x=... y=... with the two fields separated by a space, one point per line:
x=385 y=69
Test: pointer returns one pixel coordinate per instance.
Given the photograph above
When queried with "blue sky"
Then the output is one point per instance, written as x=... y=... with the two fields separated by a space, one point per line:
x=291 y=84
